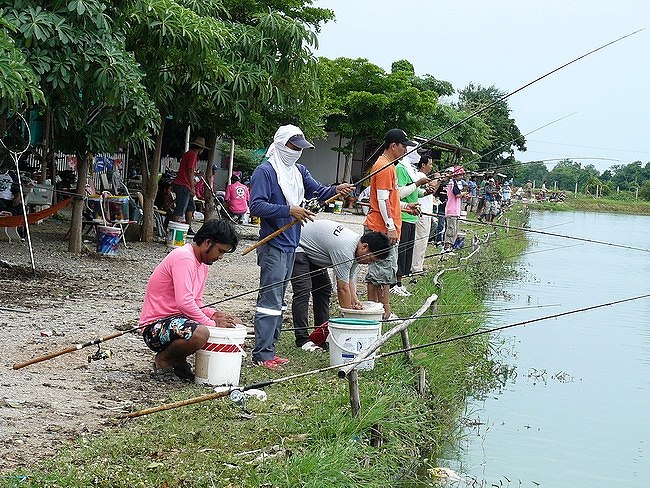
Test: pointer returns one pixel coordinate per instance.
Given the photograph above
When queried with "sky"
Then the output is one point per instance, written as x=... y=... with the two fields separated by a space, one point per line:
x=604 y=98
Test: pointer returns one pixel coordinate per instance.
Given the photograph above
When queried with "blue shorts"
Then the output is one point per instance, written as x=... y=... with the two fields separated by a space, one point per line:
x=184 y=200
x=160 y=334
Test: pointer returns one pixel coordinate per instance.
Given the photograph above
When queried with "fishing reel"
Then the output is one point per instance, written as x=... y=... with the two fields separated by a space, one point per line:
x=238 y=397
x=100 y=354
x=313 y=205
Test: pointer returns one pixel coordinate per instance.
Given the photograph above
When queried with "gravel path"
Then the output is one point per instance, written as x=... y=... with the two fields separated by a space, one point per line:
x=76 y=298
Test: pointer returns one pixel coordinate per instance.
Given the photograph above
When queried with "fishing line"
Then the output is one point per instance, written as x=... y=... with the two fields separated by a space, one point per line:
x=480 y=157
x=584 y=239
x=341 y=374
x=447 y=314
x=460 y=122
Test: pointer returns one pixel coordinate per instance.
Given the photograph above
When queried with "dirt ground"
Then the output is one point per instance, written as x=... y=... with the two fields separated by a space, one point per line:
x=77 y=298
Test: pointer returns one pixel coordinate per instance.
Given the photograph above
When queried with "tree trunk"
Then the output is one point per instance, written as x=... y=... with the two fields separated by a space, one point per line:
x=83 y=165
x=150 y=171
x=209 y=199
x=347 y=171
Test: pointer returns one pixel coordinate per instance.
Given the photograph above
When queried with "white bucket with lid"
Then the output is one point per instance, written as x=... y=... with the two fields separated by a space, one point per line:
x=370 y=311
x=347 y=338
x=176 y=233
x=218 y=362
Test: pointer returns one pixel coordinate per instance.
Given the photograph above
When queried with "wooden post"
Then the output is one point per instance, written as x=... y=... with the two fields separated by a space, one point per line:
x=406 y=344
x=345 y=370
x=422 y=381
x=355 y=399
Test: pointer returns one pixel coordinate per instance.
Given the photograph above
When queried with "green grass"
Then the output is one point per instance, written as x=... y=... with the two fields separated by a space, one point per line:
x=304 y=434
x=590 y=204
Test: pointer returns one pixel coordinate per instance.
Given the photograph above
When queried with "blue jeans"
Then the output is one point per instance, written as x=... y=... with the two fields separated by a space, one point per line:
x=275 y=273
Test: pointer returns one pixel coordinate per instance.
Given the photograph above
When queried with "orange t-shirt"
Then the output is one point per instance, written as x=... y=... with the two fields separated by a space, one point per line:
x=386 y=179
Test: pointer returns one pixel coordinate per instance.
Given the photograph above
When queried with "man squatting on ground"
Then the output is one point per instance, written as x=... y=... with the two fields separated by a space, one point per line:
x=385 y=215
x=278 y=187
x=173 y=313
x=327 y=244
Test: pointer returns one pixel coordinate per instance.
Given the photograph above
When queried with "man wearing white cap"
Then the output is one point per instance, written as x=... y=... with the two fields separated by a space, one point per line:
x=278 y=188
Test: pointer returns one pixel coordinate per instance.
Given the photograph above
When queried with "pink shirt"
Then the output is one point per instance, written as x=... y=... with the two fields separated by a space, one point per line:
x=452 y=208
x=176 y=288
x=237 y=196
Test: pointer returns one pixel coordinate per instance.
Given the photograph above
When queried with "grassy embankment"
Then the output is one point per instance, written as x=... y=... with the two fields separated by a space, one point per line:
x=587 y=203
x=304 y=434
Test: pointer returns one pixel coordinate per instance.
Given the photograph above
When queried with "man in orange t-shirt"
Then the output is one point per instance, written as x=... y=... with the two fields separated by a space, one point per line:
x=385 y=215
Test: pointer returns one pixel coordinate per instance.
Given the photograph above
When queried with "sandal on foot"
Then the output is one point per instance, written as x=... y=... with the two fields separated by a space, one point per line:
x=184 y=371
x=165 y=375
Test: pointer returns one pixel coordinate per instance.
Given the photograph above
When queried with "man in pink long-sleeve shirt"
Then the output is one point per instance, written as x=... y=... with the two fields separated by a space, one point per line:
x=173 y=315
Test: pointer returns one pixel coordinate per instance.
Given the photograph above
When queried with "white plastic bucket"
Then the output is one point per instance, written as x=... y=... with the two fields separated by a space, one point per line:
x=107 y=240
x=463 y=215
x=219 y=361
x=370 y=311
x=349 y=337
x=176 y=233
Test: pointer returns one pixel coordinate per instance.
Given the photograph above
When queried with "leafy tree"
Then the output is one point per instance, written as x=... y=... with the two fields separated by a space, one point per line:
x=222 y=71
x=531 y=171
x=504 y=135
x=18 y=81
x=629 y=176
x=363 y=101
x=91 y=83
x=644 y=191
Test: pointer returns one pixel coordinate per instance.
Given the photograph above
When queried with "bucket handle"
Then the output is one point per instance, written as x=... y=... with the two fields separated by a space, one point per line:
x=243 y=353
x=343 y=348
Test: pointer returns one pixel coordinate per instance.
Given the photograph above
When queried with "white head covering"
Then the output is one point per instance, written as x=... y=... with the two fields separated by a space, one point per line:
x=283 y=160
x=410 y=161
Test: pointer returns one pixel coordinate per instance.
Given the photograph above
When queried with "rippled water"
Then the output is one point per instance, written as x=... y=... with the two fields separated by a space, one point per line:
x=577 y=412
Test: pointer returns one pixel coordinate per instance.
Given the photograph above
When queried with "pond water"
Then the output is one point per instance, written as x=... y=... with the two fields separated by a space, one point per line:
x=576 y=413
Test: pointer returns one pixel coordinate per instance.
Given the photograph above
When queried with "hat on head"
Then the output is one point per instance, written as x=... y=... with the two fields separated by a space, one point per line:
x=398 y=136
x=200 y=142
x=299 y=141
x=458 y=170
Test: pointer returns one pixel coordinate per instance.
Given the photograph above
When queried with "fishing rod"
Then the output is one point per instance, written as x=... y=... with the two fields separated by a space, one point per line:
x=481 y=156
x=452 y=127
x=438 y=315
x=216 y=201
x=17 y=310
x=99 y=340
x=342 y=374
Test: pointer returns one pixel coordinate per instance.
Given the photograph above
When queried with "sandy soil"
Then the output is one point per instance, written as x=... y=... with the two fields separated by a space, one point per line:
x=74 y=299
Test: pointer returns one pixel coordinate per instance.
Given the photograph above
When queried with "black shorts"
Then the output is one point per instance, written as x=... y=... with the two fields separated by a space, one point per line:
x=160 y=334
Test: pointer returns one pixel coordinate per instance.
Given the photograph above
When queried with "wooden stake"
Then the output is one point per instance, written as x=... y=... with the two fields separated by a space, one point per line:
x=355 y=399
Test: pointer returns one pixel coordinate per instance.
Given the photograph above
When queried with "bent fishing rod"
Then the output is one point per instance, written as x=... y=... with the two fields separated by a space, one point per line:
x=342 y=374
x=437 y=136
x=481 y=156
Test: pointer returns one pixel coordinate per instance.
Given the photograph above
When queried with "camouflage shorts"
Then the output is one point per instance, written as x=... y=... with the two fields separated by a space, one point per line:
x=160 y=334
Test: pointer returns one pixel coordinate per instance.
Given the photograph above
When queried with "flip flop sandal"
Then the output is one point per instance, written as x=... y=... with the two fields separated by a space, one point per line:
x=184 y=371
x=165 y=375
